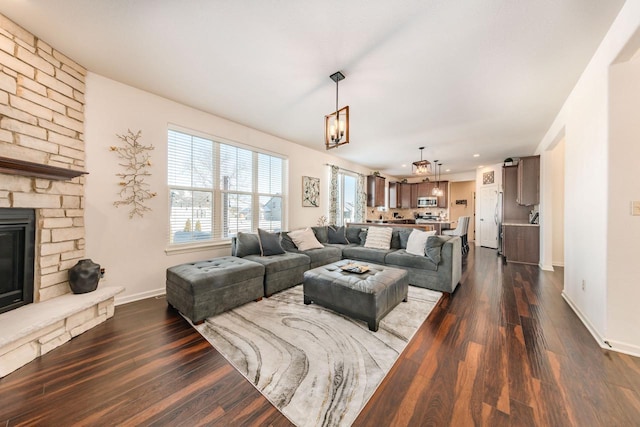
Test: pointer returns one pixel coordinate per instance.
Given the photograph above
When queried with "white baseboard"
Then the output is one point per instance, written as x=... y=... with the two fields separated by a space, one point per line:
x=558 y=264
x=546 y=267
x=611 y=345
x=142 y=295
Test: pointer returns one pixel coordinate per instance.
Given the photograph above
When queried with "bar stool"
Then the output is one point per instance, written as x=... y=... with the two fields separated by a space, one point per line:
x=461 y=230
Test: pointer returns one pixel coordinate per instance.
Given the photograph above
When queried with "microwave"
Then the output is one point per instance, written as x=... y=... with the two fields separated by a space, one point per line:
x=427 y=202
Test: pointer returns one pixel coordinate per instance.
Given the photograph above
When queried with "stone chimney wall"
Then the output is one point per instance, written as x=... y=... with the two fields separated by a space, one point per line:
x=42 y=121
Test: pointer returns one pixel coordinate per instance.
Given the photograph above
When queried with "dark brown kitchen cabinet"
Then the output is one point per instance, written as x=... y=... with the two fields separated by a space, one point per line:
x=521 y=243
x=414 y=195
x=375 y=190
x=443 y=200
x=528 y=181
x=399 y=195
x=423 y=190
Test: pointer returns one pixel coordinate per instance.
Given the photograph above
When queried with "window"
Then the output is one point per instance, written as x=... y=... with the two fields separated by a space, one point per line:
x=347 y=196
x=217 y=189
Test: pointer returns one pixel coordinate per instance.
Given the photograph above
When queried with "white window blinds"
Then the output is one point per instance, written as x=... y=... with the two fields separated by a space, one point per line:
x=217 y=189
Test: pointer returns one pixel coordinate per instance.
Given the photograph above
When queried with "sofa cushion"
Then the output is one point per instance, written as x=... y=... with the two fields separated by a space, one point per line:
x=433 y=247
x=403 y=259
x=321 y=233
x=379 y=238
x=305 y=239
x=247 y=244
x=269 y=243
x=277 y=263
x=337 y=235
x=376 y=256
x=286 y=242
x=326 y=255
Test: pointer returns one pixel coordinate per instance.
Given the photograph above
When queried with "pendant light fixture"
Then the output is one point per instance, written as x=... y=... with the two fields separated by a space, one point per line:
x=437 y=191
x=421 y=167
x=336 y=124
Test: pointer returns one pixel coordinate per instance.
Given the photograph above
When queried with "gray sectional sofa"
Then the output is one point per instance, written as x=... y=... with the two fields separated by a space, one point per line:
x=202 y=289
x=441 y=276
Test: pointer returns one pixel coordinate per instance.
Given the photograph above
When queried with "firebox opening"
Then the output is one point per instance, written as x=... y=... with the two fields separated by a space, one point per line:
x=17 y=243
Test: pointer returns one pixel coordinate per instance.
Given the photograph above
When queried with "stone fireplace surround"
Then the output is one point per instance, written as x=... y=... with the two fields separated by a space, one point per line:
x=42 y=122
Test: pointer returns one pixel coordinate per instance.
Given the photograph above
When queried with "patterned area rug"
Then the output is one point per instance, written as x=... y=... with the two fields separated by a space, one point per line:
x=317 y=367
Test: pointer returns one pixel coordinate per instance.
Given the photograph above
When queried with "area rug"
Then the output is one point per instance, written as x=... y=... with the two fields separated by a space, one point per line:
x=317 y=367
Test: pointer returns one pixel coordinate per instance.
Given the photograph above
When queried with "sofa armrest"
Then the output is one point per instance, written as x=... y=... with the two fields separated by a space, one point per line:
x=451 y=261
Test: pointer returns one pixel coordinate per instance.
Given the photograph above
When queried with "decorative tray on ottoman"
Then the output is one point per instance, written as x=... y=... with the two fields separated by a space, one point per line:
x=355 y=268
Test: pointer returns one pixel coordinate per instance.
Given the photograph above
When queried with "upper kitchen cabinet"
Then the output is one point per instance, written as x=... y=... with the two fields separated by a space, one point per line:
x=423 y=189
x=400 y=195
x=375 y=190
x=528 y=181
x=443 y=200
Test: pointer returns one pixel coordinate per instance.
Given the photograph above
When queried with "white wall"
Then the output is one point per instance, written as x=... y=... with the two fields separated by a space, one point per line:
x=133 y=250
x=557 y=203
x=623 y=266
x=584 y=119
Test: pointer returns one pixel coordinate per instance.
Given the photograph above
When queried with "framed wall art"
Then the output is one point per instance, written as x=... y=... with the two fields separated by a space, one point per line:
x=487 y=178
x=310 y=191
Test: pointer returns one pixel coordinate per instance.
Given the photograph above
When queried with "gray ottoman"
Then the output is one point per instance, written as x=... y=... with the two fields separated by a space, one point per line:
x=368 y=296
x=205 y=288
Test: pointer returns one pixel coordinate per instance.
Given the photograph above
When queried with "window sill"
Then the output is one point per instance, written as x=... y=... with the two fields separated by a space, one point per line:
x=195 y=247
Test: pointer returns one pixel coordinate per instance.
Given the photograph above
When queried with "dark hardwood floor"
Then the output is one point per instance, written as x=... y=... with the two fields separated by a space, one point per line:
x=505 y=349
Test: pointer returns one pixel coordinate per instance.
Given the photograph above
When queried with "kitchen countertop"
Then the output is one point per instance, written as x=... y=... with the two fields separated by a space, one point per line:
x=519 y=223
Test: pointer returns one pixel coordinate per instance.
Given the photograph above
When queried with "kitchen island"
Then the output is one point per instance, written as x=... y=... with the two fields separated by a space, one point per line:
x=425 y=224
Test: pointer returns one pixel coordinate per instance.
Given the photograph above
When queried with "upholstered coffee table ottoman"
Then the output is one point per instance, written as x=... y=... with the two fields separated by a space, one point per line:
x=367 y=296
x=205 y=288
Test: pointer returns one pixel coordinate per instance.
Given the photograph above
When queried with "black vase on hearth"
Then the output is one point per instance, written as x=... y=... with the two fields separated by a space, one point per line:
x=84 y=276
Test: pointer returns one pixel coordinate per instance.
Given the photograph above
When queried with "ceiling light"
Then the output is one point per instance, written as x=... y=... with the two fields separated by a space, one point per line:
x=422 y=167
x=437 y=191
x=480 y=167
x=336 y=124
x=476 y=155
x=447 y=170
x=404 y=166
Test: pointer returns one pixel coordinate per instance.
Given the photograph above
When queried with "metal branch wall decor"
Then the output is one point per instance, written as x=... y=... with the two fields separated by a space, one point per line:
x=135 y=192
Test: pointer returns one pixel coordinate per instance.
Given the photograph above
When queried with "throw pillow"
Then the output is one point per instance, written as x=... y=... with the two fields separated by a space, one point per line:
x=353 y=234
x=321 y=233
x=404 y=237
x=269 y=243
x=247 y=244
x=433 y=248
x=363 y=236
x=305 y=239
x=417 y=242
x=286 y=242
x=337 y=235
x=379 y=238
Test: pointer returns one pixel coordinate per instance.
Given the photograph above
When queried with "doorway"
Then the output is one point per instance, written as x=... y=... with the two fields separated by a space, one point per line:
x=461 y=203
x=488 y=212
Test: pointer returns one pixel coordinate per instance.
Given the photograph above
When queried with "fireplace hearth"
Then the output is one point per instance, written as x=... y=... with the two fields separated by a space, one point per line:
x=17 y=243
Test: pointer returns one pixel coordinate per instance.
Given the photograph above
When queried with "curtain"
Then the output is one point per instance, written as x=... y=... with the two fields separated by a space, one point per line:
x=333 y=195
x=361 y=199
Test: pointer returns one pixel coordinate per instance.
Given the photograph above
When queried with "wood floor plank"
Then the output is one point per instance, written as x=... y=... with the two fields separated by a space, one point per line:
x=503 y=349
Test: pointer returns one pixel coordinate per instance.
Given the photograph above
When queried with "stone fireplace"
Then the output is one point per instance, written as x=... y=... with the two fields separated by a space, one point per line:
x=17 y=244
x=42 y=161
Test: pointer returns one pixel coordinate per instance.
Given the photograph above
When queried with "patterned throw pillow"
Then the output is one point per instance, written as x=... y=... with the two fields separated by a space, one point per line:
x=433 y=248
x=305 y=239
x=379 y=238
x=269 y=243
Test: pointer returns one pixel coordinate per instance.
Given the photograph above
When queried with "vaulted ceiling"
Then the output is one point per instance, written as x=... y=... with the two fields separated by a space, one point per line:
x=460 y=77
